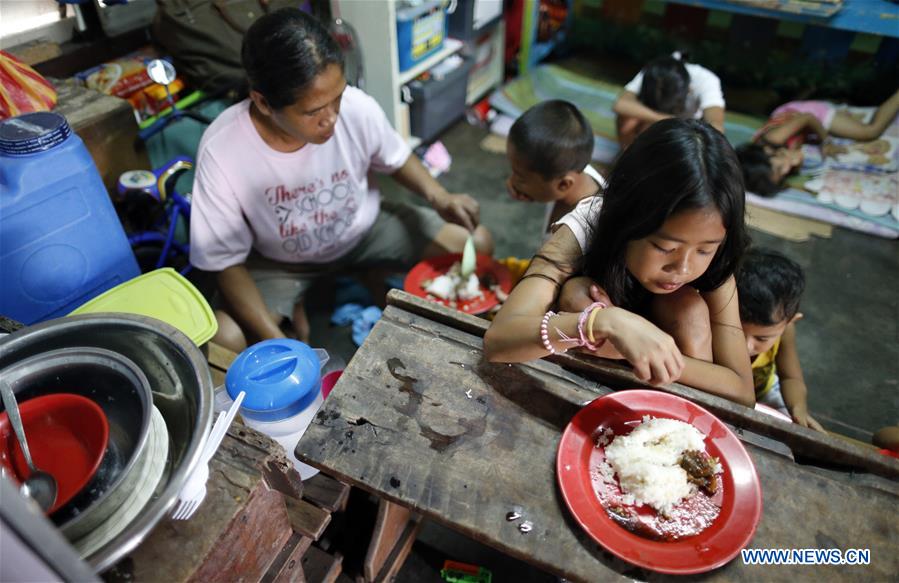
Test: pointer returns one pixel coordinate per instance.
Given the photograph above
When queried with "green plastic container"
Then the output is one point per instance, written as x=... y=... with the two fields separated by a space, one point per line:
x=163 y=294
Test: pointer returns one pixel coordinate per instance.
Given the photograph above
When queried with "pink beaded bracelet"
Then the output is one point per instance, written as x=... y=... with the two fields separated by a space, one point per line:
x=544 y=331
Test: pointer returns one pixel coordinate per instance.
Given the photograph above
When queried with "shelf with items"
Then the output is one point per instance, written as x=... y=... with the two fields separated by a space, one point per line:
x=878 y=17
x=532 y=49
x=451 y=46
x=375 y=22
x=487 y=72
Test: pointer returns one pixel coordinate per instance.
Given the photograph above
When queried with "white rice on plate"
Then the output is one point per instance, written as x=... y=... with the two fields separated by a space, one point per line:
x=647 y=459
x=452 y=286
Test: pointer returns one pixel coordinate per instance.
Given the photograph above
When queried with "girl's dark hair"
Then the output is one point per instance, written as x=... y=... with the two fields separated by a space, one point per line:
x=665 y=86
x=674 y=166
x=756 y=165
x=553 y=137
x=284 y=51
x=770 y=286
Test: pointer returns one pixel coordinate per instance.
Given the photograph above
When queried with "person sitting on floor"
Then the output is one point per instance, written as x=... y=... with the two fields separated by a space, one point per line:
x=775 y=151
x=282 y=191
x=770 y=286
x=668 y=87
x=549 y=151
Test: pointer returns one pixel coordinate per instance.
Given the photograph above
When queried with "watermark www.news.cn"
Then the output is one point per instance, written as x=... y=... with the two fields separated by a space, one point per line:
x=806 y=556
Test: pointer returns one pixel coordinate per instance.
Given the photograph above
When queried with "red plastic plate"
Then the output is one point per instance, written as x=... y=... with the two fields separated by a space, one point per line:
x=741 y=502
x=431 y=268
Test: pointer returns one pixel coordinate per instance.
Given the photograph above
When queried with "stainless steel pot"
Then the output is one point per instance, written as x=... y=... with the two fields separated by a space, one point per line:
x=121 y=389
x=178 y=376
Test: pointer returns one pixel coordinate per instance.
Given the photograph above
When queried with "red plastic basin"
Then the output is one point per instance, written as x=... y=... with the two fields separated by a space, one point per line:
x=67 y=435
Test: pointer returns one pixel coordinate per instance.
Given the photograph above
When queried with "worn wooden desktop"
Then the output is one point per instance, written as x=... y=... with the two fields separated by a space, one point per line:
x=421 y=420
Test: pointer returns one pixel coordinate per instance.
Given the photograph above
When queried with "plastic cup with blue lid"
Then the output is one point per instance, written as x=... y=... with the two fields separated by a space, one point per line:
x=282 y=381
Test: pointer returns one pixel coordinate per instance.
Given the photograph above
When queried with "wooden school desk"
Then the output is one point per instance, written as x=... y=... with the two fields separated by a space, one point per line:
x=423 y=422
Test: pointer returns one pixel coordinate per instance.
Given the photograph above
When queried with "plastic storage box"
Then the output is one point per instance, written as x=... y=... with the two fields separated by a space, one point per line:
x=437 y=103
x=163 y=294
x=471 y=17
x=420 y=31
x=61 y=242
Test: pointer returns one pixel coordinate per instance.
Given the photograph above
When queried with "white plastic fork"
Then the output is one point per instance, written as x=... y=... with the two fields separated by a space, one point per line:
x=194 y=489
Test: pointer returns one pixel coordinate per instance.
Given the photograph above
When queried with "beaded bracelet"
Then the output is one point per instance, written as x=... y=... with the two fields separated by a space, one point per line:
x=544 y=332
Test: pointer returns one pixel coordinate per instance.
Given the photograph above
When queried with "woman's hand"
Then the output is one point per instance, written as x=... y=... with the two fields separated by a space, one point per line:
x=653 y=353
x=460 y=209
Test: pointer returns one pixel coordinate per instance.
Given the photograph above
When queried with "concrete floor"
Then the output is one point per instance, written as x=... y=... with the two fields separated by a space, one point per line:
x=847 y=340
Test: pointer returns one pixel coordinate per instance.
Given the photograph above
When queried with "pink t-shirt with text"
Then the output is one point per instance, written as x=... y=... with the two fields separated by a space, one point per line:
x=309 y=206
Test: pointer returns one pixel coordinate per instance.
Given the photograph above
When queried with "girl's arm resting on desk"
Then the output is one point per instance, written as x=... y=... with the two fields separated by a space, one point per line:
x=628 y=105
x=460 y=209
x=715 y=117
x=792 y=384
x=730 y=374
x=246 y=303
x=515 y=334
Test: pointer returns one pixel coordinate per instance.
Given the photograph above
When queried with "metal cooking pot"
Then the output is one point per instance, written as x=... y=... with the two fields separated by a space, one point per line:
x=119 y=387
x=182 y=391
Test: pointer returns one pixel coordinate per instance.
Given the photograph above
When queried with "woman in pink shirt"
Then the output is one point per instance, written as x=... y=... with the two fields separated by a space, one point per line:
x=283 y=191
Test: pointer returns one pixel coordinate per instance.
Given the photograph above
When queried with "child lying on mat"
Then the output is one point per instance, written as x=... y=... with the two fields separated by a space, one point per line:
x=769 y=287
x=775 y=152
x=668 y=87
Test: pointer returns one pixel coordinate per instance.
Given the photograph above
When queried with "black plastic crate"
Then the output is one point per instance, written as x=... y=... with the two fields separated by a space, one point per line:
x=437 y=103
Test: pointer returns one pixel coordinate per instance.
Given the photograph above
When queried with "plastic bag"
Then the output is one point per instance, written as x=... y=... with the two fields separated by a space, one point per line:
x=121 y=77
x=22 y=89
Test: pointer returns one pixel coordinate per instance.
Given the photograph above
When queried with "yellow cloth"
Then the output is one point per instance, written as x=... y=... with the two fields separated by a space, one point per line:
x=516 y=267
x=764 y=369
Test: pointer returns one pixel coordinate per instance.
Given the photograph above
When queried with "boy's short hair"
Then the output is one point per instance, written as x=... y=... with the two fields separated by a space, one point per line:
x=554 y=138
x=756 y=165
x=769 y=286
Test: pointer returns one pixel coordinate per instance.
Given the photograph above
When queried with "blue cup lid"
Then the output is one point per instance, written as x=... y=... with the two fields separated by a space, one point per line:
x=32 y=133
x=281 y=377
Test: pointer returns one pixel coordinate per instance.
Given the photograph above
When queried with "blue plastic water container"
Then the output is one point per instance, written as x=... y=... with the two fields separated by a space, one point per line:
x=420 y=31
x=61 y=242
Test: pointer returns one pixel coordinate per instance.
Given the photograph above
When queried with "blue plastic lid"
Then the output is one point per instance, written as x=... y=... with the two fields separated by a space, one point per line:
x=281 y=377
x=32 y=133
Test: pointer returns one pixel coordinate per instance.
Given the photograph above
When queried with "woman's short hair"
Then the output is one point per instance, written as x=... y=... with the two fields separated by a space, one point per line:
x=284 y=51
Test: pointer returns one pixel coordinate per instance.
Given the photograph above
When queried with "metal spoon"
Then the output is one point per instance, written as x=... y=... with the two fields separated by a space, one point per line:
x=39 y=486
